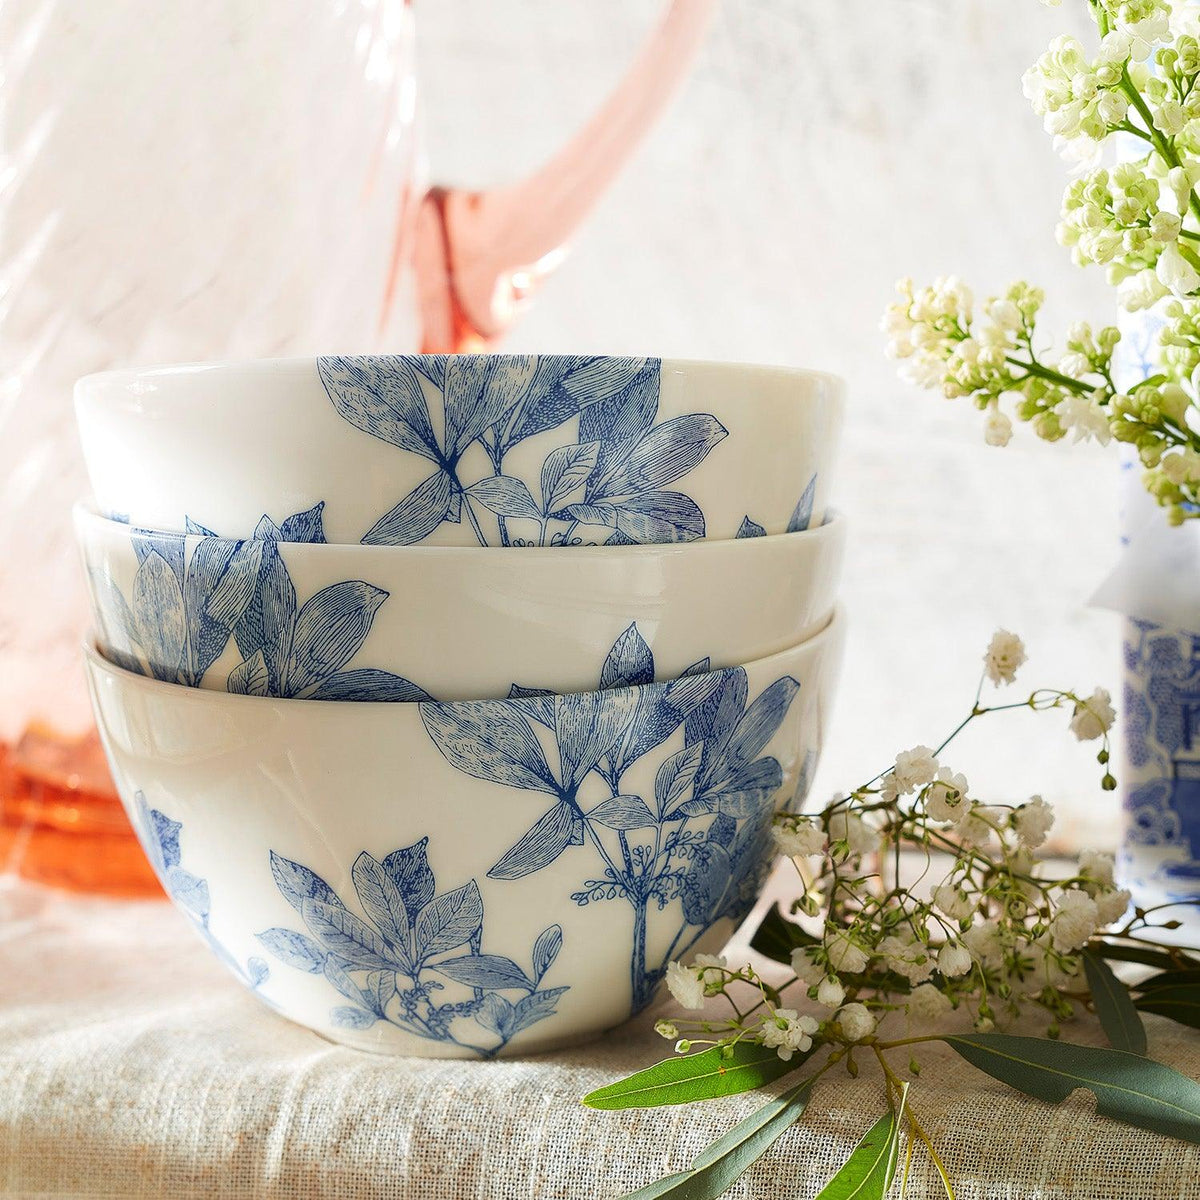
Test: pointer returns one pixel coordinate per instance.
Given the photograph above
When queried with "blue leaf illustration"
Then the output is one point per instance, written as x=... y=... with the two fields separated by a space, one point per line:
x=750 y=788
x=381 y=900
x=191 y=527
x=713 y=722
x=565 y=386
x=329 y=630
x=409 y=869
x=802 y=516
x=270 y=618
x=675 y=777
x=750 y=529
x=496 y=1014
x=630 y=662
x=416 y=516
x=588 y=725
x=667 y=453
x=432 y=367
x=536 y=703
x=566 y=470
x=557 y=829
x=380 y=989
x=722 y=830
x=487 y=739
x=297 y=883
x=533 y=1009
x=381 y=396
x=479 y=391
x=601 y=378
x=489 y=971
x=620 y=421
x=295 y=949
x=188 y=890
x=648 y=518
x=546 y=948
x=505 y=496
x=344 y=934
x=165 y=833
x=707 y=880
x=158 y=611
x=307 y=526
x=449 y=921
x=623 y=812
x=250 y=678
x=346 y=1017
x=760 y=723
x=170 y=547
x=369 y=684
x=258 y=971
x=337 y=971
x=219 y=587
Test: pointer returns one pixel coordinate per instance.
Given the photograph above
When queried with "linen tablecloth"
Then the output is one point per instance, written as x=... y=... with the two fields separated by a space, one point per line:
x=132 y=1065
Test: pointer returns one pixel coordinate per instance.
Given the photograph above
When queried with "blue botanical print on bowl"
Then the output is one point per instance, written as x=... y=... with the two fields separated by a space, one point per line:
x=159 y=836
x=414 y=959
x=799 y=521
x=613 y=474
x=184 y=609
x=696 y=848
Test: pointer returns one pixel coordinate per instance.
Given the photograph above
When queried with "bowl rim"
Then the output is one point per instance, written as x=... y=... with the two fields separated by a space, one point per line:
x=96 y=388
x=832 y=530
x=818 y=643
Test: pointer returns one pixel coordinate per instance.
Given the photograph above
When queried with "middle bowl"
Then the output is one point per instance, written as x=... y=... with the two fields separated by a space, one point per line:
x=337 y=622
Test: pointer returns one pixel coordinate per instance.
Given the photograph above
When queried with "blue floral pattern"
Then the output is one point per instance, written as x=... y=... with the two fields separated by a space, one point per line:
x=160 y=836
x=799 y=521
x=184 y=609
x=413 y=958
x=695 y=849
x=614 y=474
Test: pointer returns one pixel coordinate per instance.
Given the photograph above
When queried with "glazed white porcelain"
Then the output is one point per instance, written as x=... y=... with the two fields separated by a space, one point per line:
x=326 y=621
x=465 y=450
x=473 y=877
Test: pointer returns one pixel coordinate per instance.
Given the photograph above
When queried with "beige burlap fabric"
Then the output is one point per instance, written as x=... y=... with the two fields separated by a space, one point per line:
x=131 y=1065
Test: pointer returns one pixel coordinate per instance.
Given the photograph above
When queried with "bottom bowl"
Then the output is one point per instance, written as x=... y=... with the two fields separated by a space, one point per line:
x=474 y=877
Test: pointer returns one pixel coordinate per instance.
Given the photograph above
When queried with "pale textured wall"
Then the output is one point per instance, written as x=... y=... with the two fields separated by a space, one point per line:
x=819 y=152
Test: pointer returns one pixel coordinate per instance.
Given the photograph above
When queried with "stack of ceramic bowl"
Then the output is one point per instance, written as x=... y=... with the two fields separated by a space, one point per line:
x=452 y=697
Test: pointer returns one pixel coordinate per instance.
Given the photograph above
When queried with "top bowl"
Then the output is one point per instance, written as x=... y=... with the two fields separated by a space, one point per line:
x=493 y=450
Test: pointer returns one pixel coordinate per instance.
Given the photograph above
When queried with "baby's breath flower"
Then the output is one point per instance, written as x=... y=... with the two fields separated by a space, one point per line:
x=984 y=942
x=1005 y=654
x=786 y=1032
x=1112 y=905
x=844 y=955
x=856 y=1022
x=847 y=826
x=1075 y=919
x=953 y=960
x=914 y=769
x=708 y=967
x=979 y=824
x=926 y=1001
x=1097 y=866
x=1094 y=716
x=798 y=836
x=830 y=992
x=946 y=797
x=1033 y=821
x=953 y=902
x=906 y=956
x=667 y=1029
x=805 y=967
x=685 y=986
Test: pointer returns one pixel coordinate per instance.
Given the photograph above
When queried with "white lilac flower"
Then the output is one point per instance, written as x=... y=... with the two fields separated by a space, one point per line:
x=1075 y=919
x=984 y=943
x=1140 y=291
x=946 y=797
x=849 y=827
x=1033 y=821
x=914 y=769
x=1093 y=717
x=1085 y=418
x=830 y=993
x=1005 y=653
x=1097 y=865
x=844 y=955
x=907 y=956
x=1175 y=273
x=927 y=1002
x=804 y=968
x=953 y=902
x=786 y=1033
x=953 y=960
x=686 y=989
x=997 y=428
x=1112 y=906
x=799 y=837
x=856 y=1022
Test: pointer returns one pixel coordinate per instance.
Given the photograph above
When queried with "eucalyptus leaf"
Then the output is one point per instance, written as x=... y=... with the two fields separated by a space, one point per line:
x=688 y=1077
x=1127 y=1087
x=1180 y=1002
x=715 y=1169
x=1167 y=979
x=1114 y=1006
x=868 y=1173
x=1172 y=960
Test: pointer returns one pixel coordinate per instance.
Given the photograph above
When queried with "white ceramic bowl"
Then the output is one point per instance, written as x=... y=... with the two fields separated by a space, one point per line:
x=473 y=877
x=334 y=622
x=466 y=450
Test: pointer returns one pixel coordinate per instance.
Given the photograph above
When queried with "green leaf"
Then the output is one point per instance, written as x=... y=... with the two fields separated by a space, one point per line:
x=1166 y=960
x=869 y=1171
x=777 y=937
x=1114 y=1006
x=1180 y=1002
x=688 y=1077
x=1167 y=979
x=715 y=1169
x=1127 y=1086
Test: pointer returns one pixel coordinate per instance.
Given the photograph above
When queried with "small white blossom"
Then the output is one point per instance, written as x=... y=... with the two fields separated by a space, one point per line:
x=1033 y=821
x=927 y=1001
x=849 y=827
x=703 y=962
x=686 y=989
x=786 y=1033
x=946 y=797
x=1085 y=418
x=984 y=943
x=804 y=968
x=844 y=955
x=856 y=1022
x=979 y=824
x=1075 y=919
x=830 y=993
x=1112 y=906
x=907 y=956
x=1093 y=717
x=1175 y=273
x=953 y=902
x=997 y=428
x=914 y=769
x=667 y=1029
x=799 y=838
x=1005 y=653
x=953 y=960
x=1097 y=865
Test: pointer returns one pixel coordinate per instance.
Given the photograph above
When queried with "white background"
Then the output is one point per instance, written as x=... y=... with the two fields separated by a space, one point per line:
x=819 y=152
